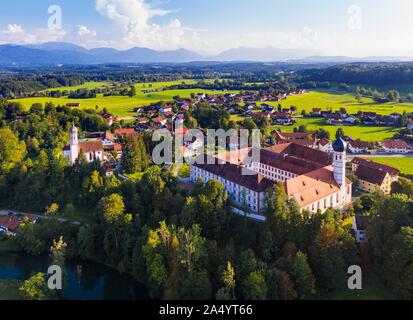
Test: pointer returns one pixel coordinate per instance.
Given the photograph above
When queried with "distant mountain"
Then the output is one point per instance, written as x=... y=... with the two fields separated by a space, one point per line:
x=66 y=53
x=263 y=54
x=57 y=53
x=344 y=59
x=58 y=46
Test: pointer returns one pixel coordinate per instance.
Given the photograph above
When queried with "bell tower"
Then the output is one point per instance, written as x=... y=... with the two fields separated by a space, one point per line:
x=339 y=163
x=74 y=144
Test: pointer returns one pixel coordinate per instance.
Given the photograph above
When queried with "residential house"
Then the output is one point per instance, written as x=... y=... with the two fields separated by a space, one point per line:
x=316 y=112
x=160 y=121
x=282 y=118
x=325 y=145
x=358 y=146
x=396 y=146
x=359 y=228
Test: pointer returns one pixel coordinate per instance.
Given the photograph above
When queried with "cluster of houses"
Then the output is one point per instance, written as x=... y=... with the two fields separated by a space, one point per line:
x=162 y=115
x=247 y=97
x=342 y=117
x=309 y=139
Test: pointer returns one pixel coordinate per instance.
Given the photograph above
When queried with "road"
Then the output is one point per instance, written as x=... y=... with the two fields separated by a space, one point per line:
x=6 y=213
x=381 y=155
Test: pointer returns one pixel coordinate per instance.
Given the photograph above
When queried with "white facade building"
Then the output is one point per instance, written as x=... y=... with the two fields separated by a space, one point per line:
x=312 y=181
x=92 y=150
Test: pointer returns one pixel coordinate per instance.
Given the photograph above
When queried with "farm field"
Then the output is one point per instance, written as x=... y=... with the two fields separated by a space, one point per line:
x=122 y=105
x=325 y=100
x=87 y=85
x=404 y=164
x=365 y=133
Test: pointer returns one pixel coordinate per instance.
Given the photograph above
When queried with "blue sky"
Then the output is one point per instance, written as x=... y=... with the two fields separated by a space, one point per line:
x=344 y=27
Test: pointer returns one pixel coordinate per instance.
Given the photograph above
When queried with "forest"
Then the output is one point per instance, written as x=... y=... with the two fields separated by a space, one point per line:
x=190 y=246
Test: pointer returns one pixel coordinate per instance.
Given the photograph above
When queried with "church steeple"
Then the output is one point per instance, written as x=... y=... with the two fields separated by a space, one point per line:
x=74 y=139
x=339 y=163
x=74 y=144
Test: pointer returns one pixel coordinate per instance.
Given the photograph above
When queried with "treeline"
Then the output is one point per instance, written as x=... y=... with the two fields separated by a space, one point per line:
x=375 y=74
x=238 y=84
x=16 y=86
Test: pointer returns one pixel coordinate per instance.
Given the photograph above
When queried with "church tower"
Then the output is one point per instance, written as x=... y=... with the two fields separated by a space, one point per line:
x=339 y=163
x=74 y=144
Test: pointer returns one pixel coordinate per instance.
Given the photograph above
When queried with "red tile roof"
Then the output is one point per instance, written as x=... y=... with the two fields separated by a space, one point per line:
x=11 y=223
x=368 y=163
x=392 y=144
x=372 y=175
x=360 y=144
x=234 y=173
x=91 y=146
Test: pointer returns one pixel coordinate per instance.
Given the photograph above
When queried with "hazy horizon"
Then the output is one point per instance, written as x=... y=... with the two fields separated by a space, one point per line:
x=358 y=28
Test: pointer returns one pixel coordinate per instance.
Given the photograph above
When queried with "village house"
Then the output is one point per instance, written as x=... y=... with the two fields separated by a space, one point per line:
x=396 y=146
x=282 y=118
x=73 y=104
x=316 y=112
x=357 y=146
x=350 y=119
x=374 y=176
x=10 y=224
x=160 y=121
x=359 y=228
x=325 y=145
x=306 y=139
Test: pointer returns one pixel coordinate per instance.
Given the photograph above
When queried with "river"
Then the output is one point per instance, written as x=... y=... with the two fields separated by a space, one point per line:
x=94 y=282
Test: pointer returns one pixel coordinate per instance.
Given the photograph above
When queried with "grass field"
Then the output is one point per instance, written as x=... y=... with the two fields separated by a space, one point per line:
x=405 y=165
x=366 y=133
x=122 y=106
x=326 y=100
x=87 y=85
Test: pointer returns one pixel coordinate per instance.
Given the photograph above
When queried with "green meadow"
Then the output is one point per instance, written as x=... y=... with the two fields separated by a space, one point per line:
x=121 y=105
x=335 y=101
x=87 y=85
x=365 y=133
x=404 y=164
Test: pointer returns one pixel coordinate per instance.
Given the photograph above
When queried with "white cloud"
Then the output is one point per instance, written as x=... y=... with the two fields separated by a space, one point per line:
x=85 y=31
x=17 y=35
x=13 y=29
x=134 y=20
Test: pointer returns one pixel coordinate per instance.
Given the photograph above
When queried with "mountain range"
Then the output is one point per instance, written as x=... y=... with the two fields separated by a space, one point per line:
x=61 y=53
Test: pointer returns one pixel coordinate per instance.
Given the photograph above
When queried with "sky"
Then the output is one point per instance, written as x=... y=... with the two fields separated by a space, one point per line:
x=356 y=28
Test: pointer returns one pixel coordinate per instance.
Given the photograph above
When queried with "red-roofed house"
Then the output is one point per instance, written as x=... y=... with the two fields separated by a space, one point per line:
x=358 y=146
x=124 y=131
x=160 y=121
x=396 y=146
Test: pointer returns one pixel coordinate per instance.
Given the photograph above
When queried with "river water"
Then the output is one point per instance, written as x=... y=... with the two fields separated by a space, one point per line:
x=85 y=281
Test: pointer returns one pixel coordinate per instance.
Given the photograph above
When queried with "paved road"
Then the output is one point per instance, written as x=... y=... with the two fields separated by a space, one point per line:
x=381 y=155
x=6 y=213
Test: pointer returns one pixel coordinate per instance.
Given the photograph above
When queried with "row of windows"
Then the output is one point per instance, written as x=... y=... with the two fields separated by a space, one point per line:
x=236 y=191
x=326 y=202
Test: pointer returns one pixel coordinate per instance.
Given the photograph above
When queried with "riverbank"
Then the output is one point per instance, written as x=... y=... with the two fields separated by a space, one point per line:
x=85 y=280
